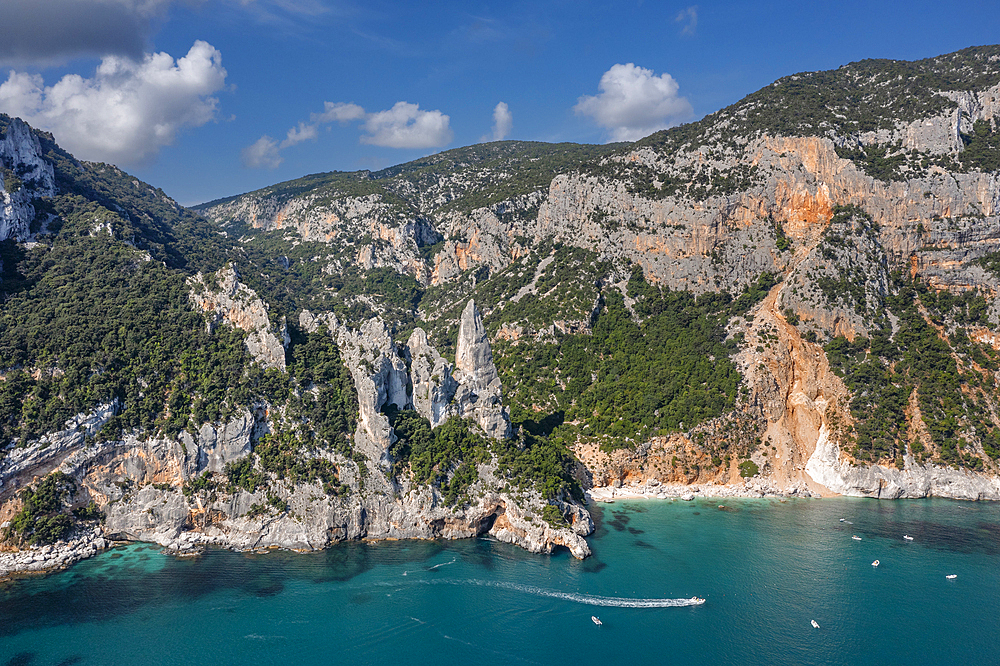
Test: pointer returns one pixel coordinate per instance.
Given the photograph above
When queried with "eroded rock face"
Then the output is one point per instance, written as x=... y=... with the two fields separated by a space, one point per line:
x=231 y=302
x=478 y=395
x=25 y=175
x=433 y=384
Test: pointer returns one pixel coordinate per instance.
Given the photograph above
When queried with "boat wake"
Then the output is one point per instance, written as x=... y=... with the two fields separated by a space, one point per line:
x=590 y=599
x=440 y=565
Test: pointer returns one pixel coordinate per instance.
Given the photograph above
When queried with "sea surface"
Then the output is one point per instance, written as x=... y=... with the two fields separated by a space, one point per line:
x=765 y=567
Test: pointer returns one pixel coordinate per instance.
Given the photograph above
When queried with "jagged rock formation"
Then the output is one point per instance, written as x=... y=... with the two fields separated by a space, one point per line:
x=470 y=390
x=433 y=384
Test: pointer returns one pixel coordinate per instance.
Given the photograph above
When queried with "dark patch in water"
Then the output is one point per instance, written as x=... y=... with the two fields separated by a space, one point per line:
x=69 y=661
x=21 y=659
x=115 y=556
x=642 y=544
x=265 y=588
x=697 y=513
x=593 y=565
x=635 y=531
x=617 y=525
x=361 y=598
x=621 y=517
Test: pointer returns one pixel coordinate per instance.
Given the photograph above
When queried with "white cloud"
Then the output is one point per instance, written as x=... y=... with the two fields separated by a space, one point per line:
x=262 y=153
x=634 y=103
x=406 y=126
x=402 y=126
x=128 y=110
x=689 y=17
x=503 y=121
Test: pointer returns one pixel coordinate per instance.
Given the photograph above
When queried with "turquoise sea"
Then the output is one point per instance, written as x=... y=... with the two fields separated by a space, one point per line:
x=766 y=568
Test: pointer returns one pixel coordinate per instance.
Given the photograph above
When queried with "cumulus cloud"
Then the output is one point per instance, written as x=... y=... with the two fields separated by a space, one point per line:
x=128 y=111
x=402 y=126
x=634 y=103
x=406 y=126
x=689 y=19
x=503 y=121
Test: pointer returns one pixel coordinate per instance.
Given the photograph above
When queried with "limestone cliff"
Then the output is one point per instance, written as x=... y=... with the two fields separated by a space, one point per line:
x=25 y=176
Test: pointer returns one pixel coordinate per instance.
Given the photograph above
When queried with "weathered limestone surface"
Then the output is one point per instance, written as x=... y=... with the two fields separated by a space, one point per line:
x=232 y=302
x=21 y=155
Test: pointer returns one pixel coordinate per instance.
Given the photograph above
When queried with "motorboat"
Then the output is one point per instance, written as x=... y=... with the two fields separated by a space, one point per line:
x=697 y=600
x=908 y=537
x=875 y=563
x=951 y=576
x=596 y=620
x=814 y=623
x=841 y=520
x=856 y=537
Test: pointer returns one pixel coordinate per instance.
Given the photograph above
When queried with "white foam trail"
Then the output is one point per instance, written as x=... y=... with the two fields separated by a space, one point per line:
x=590 y=599
x=439 y=565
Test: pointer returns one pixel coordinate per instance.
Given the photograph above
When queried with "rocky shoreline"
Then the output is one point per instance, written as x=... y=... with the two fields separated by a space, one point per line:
x=653 y=489
x=53 y=557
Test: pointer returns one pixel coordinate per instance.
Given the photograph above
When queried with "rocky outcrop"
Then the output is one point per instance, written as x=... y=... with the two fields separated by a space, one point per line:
x=478 y=395
x=471 y=390
x=433 y=384
x=228 y=301
x=25 y=175
x=827 y=466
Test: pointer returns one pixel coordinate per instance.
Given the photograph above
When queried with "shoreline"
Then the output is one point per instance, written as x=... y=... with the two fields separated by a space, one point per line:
x=668 y=491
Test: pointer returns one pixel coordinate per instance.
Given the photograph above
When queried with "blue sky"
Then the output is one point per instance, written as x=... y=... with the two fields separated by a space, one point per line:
x=208 y=98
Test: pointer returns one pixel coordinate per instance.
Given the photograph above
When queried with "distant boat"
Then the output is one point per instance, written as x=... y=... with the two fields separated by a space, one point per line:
x=908 y=537
x=814 y=623
x=596 y=620
x=856 y=537
x=697 y=600
x=951 y=576
x=841 y=520
x=875 y=563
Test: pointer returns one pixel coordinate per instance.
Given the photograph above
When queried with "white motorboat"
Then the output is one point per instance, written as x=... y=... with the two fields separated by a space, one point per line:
x=841 y=520
x=951 y=576
x=875 y=563
x=856 y=537
x=814 y=623
x=596 y=620
x=908 y=537
x=697 y=600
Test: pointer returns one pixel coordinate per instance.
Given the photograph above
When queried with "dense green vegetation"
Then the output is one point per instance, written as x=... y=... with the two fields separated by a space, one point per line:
x=447 y=457
x=950 y=375
x=44 y=515
x=982 y=147
x=629 y=379
x=89 y=319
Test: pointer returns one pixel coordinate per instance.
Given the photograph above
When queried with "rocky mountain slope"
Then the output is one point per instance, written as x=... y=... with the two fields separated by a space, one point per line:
x=796 y=293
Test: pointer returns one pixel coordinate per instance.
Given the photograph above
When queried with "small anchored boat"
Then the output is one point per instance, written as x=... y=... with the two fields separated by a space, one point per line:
x=856 y=537
x=908 y=537
x=596 y=620
x=814 y=623
x=951 y=576
x=875 y=563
